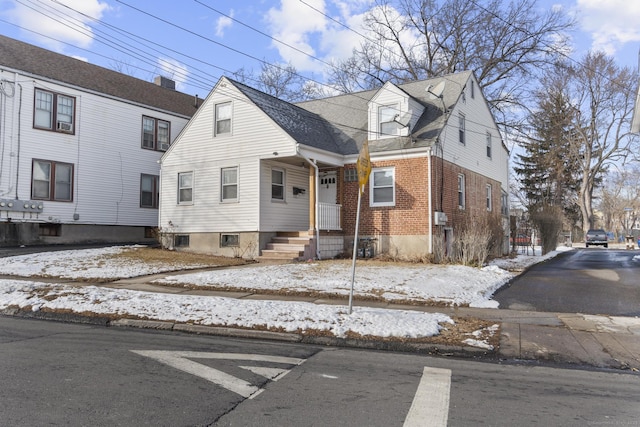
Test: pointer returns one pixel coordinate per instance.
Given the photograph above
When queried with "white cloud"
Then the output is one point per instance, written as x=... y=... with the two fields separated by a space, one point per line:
x=611 y=23
x=223 y=23
x=305 y=26
x=64 y=20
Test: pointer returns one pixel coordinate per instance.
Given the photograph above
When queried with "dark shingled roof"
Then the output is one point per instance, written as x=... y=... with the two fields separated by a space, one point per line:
x=339 y=124
x=23 y=57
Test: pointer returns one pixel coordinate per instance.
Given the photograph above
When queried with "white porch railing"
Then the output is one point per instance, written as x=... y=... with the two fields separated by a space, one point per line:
x=329 y=216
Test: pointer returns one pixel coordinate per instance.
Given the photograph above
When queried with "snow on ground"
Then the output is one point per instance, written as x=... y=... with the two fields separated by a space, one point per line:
x=452 y=284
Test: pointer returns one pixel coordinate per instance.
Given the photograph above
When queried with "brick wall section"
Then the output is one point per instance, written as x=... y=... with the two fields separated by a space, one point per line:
x=409 y=215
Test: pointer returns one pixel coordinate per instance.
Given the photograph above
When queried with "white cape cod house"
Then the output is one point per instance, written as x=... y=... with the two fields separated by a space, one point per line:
x=79 y=148
x=254 y=176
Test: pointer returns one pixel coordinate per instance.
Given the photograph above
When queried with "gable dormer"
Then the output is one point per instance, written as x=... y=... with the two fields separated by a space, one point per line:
x=392 y=113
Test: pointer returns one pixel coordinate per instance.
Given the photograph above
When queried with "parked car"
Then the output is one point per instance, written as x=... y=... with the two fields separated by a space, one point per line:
x=596 y=237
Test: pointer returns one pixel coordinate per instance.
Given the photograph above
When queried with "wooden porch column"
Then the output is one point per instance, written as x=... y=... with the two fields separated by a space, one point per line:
x=312 y=199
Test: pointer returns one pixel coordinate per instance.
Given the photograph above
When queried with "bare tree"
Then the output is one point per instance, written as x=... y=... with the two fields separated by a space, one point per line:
x=604 y=106
x=619 y=199
x=505 y=44
x=282 y=81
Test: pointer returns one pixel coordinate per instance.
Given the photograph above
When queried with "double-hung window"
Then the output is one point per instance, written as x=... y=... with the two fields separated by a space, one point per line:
x=52 y=181
x=461 y=129
x=155 y=133
x=229 y=182
x=489 y=202
x=383 y=187
x=223 y=119
x=185 y=188
x=54 y=111
x=461 y=191
x=277 y=184
x=388 y=126
x=488 y=145
x=149 y=194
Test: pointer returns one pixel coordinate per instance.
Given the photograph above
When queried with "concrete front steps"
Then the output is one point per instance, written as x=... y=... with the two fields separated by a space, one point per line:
x=287 y=246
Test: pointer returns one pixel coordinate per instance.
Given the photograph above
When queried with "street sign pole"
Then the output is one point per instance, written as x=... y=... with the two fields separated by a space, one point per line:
x=363 y=166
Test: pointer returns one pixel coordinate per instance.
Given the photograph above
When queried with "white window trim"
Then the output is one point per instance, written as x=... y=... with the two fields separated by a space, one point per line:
x=379 y=132
x=372 y=187
x=489 y=198
x=462 y=190
x=222 y=185
x=193 y=182
x=489 y=146
x=215 y=119
x=284 y=185
x=462 y=129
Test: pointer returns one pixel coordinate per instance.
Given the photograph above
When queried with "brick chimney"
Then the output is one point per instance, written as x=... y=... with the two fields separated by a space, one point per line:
x=165 y=82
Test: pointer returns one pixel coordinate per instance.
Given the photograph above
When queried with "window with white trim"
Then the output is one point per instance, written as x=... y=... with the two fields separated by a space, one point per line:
x=155 y=134
x=229 y=240
x=387 y=125
x=223 y=119
x=229 y=183
x=185 y=188
x=54 y=111
x=489 y=144
x=52 y=181
x=382 y=187
x=277 y=184
x=461 y=191
x=489 y=202
x=149 y=194
x=461 y=129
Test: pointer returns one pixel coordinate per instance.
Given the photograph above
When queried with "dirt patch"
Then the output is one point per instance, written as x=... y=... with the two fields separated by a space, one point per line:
x=165 y=256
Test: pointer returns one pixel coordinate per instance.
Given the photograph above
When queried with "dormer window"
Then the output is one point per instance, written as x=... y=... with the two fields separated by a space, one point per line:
x=387 y=125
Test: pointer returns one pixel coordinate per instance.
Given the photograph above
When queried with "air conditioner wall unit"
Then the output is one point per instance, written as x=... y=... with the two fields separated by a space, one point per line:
x=440 y=218
x=64 y=126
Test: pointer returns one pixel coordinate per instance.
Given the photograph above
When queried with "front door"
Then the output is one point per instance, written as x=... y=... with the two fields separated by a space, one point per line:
x=328 y=187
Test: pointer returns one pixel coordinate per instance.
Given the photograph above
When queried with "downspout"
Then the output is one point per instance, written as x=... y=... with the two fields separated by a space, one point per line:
x=315 y=203
x=18 y=151
x=430 y=205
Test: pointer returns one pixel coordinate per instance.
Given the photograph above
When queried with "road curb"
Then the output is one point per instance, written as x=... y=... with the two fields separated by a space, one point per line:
x=383 y=345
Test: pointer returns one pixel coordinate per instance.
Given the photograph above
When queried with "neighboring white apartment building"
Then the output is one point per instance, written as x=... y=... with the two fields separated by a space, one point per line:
x=79 y=148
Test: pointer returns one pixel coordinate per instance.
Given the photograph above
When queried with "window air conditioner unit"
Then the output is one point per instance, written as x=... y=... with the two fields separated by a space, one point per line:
x=64 y=126
x=440 y=218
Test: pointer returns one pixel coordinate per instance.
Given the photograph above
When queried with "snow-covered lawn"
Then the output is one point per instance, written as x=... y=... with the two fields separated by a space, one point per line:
x=449 y=284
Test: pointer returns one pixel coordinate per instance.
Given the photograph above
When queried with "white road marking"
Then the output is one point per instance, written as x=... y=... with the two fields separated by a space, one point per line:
x=430 y=407
x=180 y=360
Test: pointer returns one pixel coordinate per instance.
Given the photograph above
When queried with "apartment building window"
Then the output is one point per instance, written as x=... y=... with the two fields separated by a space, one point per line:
x=149 y=194
x=223 y=118
x=461 y=129
x=387 y=125
x=461 y=191
x=229 y=183
x=52 y=181
x=489 y=203
x=155 y=134
x=489 y=145
x=185 y=188
x=54 y=111
x=382 y=189
x=277 y=184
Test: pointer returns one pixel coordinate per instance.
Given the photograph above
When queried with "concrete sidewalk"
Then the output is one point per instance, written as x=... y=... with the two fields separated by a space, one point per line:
x=599 y=341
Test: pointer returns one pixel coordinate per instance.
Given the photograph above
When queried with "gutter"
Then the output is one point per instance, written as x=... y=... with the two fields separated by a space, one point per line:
x=315 y=203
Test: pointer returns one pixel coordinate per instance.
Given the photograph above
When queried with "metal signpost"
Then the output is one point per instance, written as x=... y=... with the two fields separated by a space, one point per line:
x=364 y=169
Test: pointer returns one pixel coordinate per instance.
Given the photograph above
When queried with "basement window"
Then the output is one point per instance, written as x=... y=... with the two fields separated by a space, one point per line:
x=229 y=240
x=181 y=241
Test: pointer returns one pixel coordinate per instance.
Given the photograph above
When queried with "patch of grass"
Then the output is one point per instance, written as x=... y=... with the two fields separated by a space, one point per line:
x=165 y=256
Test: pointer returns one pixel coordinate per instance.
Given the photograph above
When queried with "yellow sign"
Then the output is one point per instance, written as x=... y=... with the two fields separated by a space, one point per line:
x=363 y=165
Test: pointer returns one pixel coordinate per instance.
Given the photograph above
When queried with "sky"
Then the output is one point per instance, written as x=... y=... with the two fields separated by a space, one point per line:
x=198 y=41
x=447 y=284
